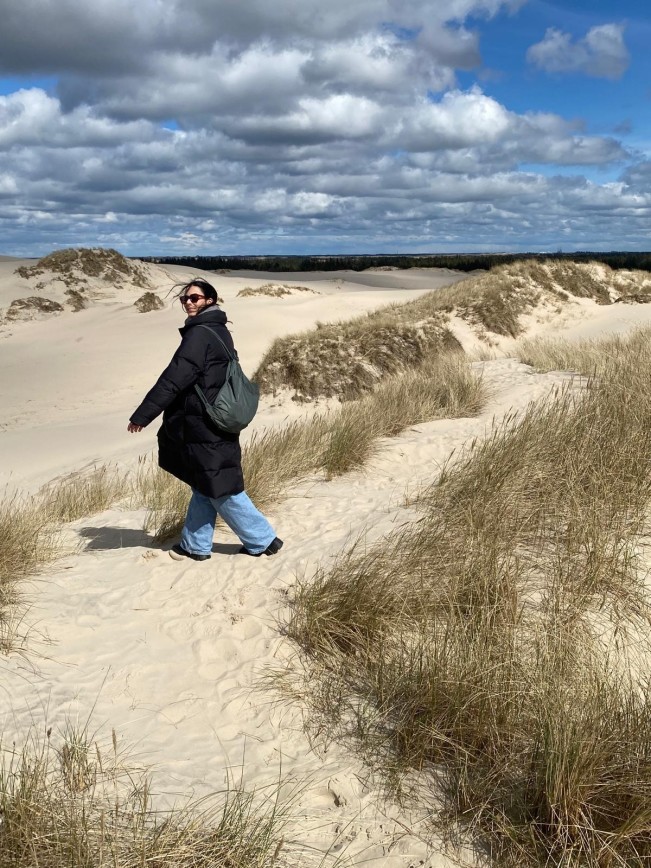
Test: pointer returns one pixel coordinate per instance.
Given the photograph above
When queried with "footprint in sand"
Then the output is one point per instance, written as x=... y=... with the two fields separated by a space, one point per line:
x=219 y=649
x=247 y=628
x=88 y=621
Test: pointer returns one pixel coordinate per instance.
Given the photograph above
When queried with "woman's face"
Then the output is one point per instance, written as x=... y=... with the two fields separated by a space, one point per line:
x=194 y=301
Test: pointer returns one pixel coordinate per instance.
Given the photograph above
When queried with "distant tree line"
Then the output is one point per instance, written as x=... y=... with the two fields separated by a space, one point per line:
x=456 y=261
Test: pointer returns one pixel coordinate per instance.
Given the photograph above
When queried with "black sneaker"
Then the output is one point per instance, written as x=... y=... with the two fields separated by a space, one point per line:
x=177 y=552
x=274 y=546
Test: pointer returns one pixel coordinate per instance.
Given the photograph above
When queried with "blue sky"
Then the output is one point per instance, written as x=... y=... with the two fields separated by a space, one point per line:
x=213 y=126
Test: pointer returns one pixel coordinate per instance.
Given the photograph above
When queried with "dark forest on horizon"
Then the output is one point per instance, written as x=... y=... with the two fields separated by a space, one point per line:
x=455 y=261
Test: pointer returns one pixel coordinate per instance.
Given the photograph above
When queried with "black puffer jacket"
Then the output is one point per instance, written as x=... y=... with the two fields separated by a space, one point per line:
x=189 y=447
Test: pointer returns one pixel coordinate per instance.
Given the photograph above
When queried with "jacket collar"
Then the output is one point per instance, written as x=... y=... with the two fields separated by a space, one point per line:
x=212 y=315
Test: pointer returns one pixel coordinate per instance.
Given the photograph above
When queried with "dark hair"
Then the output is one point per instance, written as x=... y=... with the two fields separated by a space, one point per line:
x=207 y=288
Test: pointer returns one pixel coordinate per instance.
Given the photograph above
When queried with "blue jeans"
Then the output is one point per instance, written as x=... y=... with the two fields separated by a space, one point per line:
x=238 y=512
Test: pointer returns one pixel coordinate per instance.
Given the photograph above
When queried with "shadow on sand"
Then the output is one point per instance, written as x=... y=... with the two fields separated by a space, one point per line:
x=109 y=538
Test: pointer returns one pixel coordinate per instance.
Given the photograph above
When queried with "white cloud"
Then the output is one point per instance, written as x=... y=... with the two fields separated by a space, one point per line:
x=30 y=117
x=456 y=48
x=38 y=34
x=373 y=62
x=314 y=120
x=458 y=120
x=601 y=52
x=8 y=185
x=639 y=177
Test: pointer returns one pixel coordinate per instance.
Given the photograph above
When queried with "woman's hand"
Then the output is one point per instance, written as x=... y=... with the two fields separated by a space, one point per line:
x=132 y=428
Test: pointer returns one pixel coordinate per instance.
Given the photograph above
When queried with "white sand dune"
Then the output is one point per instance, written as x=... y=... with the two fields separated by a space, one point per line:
x=171 y=654
x=70 y=382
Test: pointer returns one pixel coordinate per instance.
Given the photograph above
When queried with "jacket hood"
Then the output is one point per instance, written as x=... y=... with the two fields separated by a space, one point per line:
x=212 y=315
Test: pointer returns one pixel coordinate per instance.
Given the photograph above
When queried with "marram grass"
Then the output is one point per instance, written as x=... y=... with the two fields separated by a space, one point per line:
x=65 y=801
x=592 y=356
x=488 y=646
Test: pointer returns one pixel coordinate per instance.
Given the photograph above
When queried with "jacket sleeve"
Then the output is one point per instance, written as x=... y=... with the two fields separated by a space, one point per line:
x=182 y=372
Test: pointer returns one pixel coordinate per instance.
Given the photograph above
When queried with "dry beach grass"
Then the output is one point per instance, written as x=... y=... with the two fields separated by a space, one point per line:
x=67 y=801
x=272 y=290
x=584 y=357
x=486 y=646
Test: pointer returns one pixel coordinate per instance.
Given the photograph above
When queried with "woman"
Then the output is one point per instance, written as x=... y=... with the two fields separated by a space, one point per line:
x=190 y=447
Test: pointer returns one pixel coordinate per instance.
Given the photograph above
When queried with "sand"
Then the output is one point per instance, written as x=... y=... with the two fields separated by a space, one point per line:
x=171 y=654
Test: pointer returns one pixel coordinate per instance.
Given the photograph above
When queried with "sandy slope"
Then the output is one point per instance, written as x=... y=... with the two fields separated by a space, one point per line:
x=70 y=382
x=171 y=654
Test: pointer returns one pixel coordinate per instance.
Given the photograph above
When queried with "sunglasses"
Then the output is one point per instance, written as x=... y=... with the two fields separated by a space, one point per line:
x=194 y=298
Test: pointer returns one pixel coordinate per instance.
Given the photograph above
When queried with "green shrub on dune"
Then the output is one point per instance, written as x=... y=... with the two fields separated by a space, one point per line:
x=348 y=359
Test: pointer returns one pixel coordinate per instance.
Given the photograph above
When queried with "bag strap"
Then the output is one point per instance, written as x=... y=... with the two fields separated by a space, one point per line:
x=214 y=334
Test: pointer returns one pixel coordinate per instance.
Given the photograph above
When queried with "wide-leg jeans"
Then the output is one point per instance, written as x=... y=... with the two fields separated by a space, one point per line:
x=239 y=513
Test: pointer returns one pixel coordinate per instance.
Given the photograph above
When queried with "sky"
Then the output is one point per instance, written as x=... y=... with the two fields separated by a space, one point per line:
x=225 y=127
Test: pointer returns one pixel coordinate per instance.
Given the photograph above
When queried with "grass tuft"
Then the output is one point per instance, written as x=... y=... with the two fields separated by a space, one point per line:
x=77 y=805
x=29 y=542
x=84 y=492
x=585 y=357
x=347 y=360
x=165 y=498
x=72 y=265
x=273 y=290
